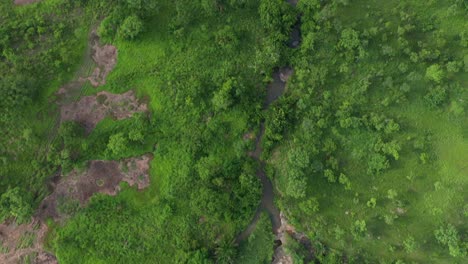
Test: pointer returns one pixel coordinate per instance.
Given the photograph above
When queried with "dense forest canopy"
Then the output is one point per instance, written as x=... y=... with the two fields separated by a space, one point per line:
x=366 y=150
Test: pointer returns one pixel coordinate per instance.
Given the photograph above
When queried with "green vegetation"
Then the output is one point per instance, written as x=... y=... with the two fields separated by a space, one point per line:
x=204 y=75
x=377 y=114
x=40 y=45
x=14 y=204
x=258 y=248
x=367 y=149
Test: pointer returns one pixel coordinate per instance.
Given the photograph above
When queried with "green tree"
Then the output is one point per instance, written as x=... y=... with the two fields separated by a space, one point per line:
x=349 y=39
x=377 y=163
x=372 y=202
x=410 y=244
x=359 y=228
x=16 y=91
x=14 y=204
x=436 y=96
x=435 y=73
x=225 y=252
x=298 y=161
x=276 y=15
x=131 y=27
x=108 y=27
x=344 y=180
x=222 y=98
x=117 y=144
x=309 y=206
x=448 y=235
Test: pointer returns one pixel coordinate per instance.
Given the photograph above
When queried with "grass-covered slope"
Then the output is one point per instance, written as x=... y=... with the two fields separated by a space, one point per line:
x=367 y=149
x=377 y=130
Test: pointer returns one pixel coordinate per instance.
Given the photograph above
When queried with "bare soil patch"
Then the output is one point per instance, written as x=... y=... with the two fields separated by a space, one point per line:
x=105 y=57
x=24 y=243
x=20 y=241
x=89 y=110
x=25 y=2
x=284 y=230
x=100 y=60
x=99 y=177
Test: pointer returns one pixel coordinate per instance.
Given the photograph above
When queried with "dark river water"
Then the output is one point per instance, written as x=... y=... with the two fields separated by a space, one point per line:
x=274 y=90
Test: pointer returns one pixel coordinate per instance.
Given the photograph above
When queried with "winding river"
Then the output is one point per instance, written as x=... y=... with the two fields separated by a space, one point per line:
x=274 y=90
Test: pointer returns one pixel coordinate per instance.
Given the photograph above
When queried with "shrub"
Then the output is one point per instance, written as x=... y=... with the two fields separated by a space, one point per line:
x=448 y=236
x=131 y=27
x=436 y=96
x=409 y=244
x=108 y=28
x=372 y=202
x=14 y=204
x=435 y=73
x=117 y=144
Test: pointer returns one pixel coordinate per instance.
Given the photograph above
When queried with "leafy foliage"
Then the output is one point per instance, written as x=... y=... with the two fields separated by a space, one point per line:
x=13 y=204
x=131 y=27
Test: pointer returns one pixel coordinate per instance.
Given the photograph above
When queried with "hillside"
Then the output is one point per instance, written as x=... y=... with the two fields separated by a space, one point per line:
x=222 y=131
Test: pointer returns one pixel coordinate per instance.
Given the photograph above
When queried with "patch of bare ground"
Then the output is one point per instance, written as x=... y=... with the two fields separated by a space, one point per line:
x=99 y=177
x=89 y=110
x=280 y=256
x=105 y=57
x=25 y=2
x=100 y=60
x=21 y=241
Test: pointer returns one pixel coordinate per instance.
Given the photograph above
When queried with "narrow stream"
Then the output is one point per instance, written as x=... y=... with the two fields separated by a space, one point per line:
x=274 y=90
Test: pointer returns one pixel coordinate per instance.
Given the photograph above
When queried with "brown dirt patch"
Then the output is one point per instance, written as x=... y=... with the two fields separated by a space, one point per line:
x=25 y=2
x=100 y=177
x=89 y=110
x=99 y=60
x=105 y=57
x=20 y=241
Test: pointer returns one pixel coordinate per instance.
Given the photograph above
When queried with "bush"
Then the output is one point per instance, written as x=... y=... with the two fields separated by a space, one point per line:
x=14 y=204
x=131 y=27
x=117 y=144
x=436 y=96
x=448 y=236
x=410 y=244
x=435 y=73
x=108 y=28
